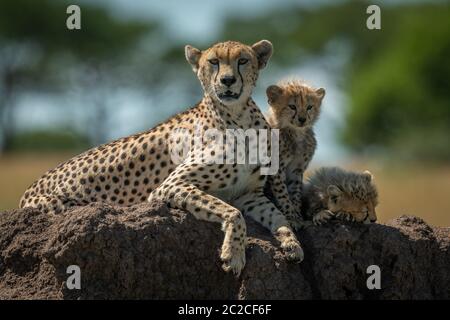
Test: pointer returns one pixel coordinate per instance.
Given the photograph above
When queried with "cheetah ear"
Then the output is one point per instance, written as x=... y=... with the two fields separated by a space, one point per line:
x=368 y=175
x=333 y=191
x=192 y=56
x=320 y=93
x=263 y=50
x=273 y=93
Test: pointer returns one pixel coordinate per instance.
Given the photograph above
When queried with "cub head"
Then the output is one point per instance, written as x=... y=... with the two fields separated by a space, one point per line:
x=356 y=196
x=228 y=70
x=294 y=104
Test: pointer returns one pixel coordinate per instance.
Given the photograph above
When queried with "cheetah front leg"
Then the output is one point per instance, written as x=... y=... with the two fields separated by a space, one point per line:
x=184 y=195
x=260 y=208
x=295 y=188
x=283 y=201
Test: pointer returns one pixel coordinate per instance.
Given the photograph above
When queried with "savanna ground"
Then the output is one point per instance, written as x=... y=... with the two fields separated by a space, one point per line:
x=418 y=190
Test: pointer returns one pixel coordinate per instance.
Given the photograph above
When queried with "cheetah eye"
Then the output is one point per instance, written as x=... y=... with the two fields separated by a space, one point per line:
x=242 y=61
x=292 y=106
x=309 y=107
x=214 y=62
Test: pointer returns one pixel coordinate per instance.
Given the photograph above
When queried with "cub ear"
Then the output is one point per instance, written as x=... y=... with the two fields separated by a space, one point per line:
x=192 y=56
x=273 y=93
x=368 y=175
x=334 y=191
x=263 y=50
x=320 y=93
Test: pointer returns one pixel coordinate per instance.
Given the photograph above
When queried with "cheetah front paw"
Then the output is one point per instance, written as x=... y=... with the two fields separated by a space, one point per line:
x=293 y=250
x=322 y=217
x=233 y=258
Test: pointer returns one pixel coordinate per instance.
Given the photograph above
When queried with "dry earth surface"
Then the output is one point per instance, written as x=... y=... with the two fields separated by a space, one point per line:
x=149 y=251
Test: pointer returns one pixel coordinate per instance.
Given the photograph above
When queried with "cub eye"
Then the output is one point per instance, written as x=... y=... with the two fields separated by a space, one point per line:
x=214 y=62
x=292 y=106
x=242 y=61
x=309 y=107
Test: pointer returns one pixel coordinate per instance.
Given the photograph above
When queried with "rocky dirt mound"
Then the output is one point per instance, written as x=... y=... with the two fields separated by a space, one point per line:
x=148 y=251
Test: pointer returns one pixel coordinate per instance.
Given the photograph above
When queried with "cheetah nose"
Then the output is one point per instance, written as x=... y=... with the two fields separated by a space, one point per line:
x=302 y=120
x=228 y=80
x=373 y=220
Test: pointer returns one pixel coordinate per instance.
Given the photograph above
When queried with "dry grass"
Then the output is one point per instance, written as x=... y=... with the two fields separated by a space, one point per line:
x=18 y=171
x=420 y=191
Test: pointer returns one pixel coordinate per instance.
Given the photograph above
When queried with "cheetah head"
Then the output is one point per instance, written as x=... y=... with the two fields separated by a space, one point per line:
x=358 y=198
x=228 y=70
x=294 y=103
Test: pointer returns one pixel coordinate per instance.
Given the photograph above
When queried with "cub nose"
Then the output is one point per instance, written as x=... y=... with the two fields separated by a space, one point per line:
x=302 y=120
x=373 y=220
x=228 y=80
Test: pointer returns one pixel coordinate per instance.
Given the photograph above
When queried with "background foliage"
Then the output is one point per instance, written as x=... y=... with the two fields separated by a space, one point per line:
x=388 y=94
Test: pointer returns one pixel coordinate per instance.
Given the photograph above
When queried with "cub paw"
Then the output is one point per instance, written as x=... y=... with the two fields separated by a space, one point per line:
x=345 y=216
x=322 y=217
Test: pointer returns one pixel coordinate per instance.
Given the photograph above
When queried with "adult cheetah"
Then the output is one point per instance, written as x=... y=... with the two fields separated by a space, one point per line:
x=142 y=166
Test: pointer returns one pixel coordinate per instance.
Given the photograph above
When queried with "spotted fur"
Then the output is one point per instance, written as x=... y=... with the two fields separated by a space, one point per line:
x=140 y=167
x=294 y=109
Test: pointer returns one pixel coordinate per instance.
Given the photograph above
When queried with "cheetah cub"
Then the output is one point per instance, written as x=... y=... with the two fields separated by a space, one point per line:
x=335 y=192
x=294 y=107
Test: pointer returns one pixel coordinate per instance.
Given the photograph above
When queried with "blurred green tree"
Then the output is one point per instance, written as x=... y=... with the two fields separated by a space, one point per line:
x=401 y=97
x=36 y=48
x=397 y=78
x=61 y=139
